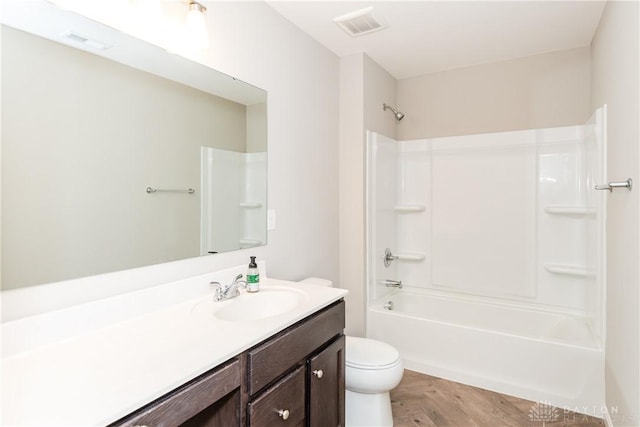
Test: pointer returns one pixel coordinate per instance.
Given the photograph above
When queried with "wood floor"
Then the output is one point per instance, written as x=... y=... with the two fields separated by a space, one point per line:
x=422 y=400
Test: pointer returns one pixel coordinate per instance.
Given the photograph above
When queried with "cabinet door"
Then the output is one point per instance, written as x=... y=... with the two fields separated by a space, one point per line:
x=326 y=386
x=277 y=355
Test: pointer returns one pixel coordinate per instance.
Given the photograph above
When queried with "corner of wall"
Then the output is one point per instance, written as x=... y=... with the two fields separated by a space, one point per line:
x=379 y=87
x=615 y=57
x=351 y=191
x=364 y=87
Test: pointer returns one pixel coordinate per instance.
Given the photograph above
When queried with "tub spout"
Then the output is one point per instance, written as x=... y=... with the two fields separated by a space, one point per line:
x=393 y=283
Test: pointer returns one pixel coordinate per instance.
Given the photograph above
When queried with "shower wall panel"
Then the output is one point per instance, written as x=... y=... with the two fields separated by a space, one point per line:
x=509 y=216
x=413 y=212
x=484 y=214
x=562 y=215
x=381 y=222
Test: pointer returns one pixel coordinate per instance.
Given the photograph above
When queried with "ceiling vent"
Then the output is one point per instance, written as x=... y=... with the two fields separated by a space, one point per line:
x=360 y=22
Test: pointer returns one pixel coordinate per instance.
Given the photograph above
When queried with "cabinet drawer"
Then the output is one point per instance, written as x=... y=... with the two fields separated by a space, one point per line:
x=189 y=400
x=267 y=410
x=270 y=360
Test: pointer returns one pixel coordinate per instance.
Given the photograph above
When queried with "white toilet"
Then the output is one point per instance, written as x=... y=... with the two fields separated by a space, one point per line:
x=372 y=369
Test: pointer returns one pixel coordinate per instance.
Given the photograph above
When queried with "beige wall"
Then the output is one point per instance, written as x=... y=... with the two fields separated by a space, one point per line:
x=351 y=194
x=616 y=74
x=538 y=91
x=379 y=87
x=364 y=87
x=257 y=128
x=82 y=137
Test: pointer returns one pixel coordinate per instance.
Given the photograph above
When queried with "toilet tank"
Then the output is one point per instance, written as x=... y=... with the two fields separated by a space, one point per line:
x=318 y=281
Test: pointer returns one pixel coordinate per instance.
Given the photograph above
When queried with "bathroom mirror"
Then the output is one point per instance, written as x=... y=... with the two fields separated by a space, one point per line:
x=117 y=154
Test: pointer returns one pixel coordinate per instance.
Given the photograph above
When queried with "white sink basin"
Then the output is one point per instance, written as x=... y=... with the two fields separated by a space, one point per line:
x=269 y=302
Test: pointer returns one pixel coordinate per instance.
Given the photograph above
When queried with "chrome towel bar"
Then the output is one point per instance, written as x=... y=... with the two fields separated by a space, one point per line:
x=616 y=184
x=157 y=190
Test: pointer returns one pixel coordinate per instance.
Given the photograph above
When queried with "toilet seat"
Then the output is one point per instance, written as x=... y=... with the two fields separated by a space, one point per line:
x=369 y=354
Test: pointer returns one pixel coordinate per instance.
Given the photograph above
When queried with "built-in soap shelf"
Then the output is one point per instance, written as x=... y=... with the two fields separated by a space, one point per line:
x=410 y=256
x=409 y=208
x=250 y=205
x=570 y=270
x=569 y=210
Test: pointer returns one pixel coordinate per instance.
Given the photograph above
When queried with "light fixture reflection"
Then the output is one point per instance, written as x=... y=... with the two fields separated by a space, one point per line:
x=197 y=35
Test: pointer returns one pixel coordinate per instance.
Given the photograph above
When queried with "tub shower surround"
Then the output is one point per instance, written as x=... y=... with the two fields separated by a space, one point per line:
x=498 y=242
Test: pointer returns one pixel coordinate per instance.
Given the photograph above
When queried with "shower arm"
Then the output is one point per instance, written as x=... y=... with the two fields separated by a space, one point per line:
x=396 y=114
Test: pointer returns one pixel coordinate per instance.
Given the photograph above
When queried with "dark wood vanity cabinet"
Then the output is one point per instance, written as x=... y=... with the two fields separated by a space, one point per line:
x=294 y=378
x=213 y=399
x=310 y=352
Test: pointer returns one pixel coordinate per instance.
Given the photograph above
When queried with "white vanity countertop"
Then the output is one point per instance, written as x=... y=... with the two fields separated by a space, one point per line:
x=98 y=375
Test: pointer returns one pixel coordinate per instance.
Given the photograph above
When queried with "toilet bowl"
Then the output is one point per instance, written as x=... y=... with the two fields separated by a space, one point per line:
x=372 y=369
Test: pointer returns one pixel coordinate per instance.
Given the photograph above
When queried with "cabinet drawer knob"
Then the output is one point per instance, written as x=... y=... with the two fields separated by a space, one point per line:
x=284 y=413
x=318 y=373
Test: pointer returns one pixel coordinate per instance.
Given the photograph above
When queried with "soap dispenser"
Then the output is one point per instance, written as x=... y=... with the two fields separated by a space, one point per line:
x=253 y=276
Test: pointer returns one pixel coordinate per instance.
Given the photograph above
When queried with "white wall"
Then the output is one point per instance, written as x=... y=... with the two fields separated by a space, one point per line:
x=616 y=71
x=253 y=43
x=537 y=91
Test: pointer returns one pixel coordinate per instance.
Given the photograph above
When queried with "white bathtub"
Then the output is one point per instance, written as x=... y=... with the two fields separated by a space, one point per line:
x=535 y=355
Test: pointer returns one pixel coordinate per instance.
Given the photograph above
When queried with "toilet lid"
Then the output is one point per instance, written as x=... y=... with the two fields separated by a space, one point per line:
x=367 y=353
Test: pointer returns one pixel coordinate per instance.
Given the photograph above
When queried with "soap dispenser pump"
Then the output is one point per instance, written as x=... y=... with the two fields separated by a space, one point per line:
x=253 y=276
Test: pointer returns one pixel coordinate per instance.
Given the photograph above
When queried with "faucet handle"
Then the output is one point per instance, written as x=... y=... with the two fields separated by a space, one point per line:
x=239 y=283
x=218 y=288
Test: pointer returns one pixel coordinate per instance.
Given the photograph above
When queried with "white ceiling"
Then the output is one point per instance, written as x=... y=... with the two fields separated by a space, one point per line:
x=430 y=36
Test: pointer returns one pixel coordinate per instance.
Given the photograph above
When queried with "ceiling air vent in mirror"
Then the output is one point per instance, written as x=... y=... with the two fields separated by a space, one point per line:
x=360 y=22
x=85 y=41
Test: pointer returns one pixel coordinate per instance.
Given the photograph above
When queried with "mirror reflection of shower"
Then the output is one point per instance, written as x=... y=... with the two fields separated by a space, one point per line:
x=234 y=200
x=397 y=114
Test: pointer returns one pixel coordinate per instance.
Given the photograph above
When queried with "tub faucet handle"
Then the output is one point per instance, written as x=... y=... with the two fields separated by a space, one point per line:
x=388 y=257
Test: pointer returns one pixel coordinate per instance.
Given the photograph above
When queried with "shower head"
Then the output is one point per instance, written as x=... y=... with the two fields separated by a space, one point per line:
x=397 y=114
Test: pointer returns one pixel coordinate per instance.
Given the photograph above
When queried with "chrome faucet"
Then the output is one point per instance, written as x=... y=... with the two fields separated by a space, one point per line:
x=231 y=291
